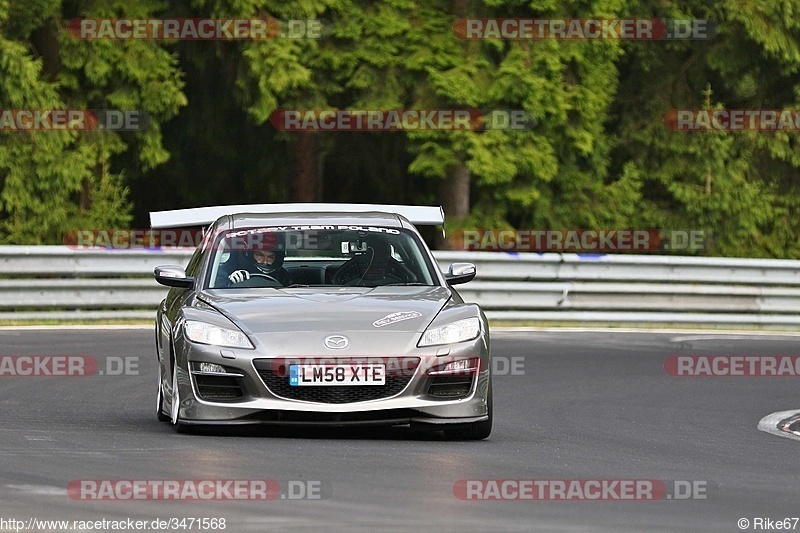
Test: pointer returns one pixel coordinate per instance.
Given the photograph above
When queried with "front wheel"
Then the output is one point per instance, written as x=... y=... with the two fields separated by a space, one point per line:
x=476 y=430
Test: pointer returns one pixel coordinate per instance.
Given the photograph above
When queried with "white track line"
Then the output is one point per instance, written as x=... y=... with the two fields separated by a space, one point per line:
x=79 y=326
x=39 y=490
x=772 y=424
x=709 y=332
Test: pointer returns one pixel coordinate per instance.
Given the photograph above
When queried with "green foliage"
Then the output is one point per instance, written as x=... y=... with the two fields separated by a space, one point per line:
x=54 y=181
x=740 y=187
x=597 y=153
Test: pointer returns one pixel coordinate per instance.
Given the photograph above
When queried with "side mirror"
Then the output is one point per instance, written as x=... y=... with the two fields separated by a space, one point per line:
x=173 y=276
x=460 y=273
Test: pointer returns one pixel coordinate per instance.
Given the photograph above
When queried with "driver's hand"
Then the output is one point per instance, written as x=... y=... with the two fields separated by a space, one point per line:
x=238 y=276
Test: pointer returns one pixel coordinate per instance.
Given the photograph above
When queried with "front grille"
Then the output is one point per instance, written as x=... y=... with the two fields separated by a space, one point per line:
x=450 y=386
x=218 y=388
x=389 y=416
x=274 y=374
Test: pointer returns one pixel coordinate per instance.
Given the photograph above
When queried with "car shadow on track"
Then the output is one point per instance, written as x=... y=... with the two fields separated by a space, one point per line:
x=327 y=433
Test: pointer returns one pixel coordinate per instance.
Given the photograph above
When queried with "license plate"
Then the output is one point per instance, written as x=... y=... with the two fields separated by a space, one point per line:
x=321 y=375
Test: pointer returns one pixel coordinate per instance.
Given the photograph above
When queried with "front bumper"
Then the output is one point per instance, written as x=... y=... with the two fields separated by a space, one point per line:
x=288 y=418
x=413 y=405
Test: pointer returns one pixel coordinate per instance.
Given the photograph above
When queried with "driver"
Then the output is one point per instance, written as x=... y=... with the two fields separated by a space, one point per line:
x=265 y=258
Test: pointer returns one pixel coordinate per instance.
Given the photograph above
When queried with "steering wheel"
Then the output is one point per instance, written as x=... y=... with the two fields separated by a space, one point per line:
x=253 y=282
x=266 y=276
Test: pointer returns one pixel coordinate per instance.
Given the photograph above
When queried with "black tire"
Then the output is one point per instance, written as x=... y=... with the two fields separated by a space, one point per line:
x=175 y=416
x=476 y=430
x=162 y=417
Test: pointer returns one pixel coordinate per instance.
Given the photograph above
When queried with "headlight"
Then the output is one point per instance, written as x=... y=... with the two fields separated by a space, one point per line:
x=458 y=331
x=210 y=334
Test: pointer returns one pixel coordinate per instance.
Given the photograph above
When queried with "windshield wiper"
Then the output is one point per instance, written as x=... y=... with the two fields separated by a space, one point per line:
x=405 y=284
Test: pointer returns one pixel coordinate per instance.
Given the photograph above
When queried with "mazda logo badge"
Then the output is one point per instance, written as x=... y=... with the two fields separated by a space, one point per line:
x=336 y=342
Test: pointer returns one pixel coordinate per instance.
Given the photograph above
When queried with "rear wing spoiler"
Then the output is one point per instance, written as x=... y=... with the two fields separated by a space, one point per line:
x=204 y=216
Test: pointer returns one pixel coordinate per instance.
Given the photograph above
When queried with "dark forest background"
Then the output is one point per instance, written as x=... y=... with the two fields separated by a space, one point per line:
x=600 y=155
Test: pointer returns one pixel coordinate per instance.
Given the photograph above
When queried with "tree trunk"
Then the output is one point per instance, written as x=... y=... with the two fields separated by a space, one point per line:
x=45 y=42
x=454 y=188
x=305 y=181
x=454 y=197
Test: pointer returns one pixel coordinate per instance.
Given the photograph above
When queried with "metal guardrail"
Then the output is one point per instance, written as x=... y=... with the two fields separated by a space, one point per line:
x=56 y=282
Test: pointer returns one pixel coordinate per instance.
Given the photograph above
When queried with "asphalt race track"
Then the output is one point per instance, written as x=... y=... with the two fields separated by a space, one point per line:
x=580 y=406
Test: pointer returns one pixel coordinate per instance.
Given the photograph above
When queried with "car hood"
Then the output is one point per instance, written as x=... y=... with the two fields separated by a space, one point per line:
x=397 y=309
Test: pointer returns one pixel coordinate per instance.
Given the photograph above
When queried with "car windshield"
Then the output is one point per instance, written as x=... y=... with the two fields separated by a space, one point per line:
x=313 y=256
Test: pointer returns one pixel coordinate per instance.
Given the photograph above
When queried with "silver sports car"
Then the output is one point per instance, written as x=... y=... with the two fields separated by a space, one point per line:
x=319 y=314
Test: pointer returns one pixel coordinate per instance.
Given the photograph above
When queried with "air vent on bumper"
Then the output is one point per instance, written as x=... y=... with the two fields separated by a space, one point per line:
x=216 y=383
